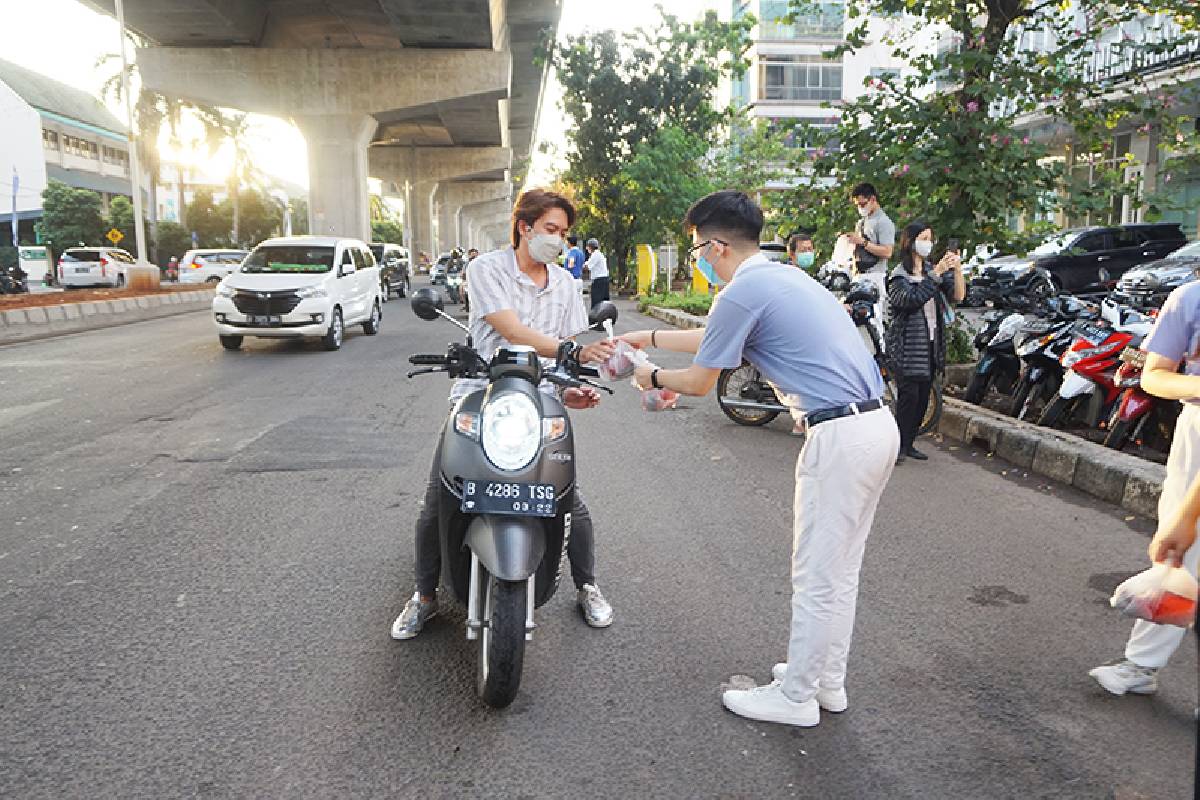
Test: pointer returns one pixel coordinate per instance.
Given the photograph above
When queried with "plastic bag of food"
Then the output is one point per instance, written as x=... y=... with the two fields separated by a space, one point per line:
x=659 y=399
x=622 y=362
x=1164 y=594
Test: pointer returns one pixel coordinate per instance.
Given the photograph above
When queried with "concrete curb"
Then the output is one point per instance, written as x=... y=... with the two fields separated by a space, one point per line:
x=1119 y=478
x=44 y=322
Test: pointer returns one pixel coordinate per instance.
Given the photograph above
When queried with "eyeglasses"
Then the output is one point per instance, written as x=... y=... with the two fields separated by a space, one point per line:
x=691 y=253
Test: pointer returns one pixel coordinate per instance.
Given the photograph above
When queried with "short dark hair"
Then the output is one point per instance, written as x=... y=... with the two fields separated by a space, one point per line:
x=533 y=204
x=730 y=214
x=795 y=239
x=572 y=240
x=866 y=190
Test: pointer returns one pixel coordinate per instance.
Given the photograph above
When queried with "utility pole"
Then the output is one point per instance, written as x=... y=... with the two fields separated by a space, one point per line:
x=140 y=276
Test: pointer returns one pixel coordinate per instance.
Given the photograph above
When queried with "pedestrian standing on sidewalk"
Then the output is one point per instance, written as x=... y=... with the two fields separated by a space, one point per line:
x=801 y=252
x=597 y=266
x=919 y=297
x=575 y=259
x=804 y=343
x=1174 y=342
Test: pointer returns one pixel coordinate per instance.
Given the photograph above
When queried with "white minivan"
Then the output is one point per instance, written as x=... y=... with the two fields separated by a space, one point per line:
x=208 y=266
x=93 y=266
x=300 y=286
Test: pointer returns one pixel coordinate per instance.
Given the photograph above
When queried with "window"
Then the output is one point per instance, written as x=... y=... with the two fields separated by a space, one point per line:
x=799 y=77
x=885 y=72
x=821 y=21
x=49 y=139
x=1129 y=238
x=1092 y=242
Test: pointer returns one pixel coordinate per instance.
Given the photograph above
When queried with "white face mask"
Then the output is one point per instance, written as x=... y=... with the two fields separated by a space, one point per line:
x=864 y=211
x=544 y=247
x=922 y=248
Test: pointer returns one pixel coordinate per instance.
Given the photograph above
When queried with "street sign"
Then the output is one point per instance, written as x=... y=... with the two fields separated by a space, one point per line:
x=114 y=236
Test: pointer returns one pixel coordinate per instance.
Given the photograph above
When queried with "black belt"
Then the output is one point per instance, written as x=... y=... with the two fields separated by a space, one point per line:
x=826 y=414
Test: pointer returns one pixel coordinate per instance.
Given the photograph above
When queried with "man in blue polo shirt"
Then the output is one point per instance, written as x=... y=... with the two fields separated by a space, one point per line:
x=802 y=340
x=575 y=259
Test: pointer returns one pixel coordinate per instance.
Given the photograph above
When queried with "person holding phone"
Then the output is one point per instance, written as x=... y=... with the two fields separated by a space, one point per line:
x=919 y=298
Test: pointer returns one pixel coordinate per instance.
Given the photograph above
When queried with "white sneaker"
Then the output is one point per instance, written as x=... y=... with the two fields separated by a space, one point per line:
x=596 y=610
x=1125 y=676
x=832 y=700
x=769 y=704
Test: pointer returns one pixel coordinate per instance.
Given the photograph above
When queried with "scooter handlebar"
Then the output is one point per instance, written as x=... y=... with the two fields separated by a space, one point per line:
x=428 y=360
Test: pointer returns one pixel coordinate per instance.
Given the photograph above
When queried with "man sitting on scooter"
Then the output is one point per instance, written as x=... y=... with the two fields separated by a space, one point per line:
x=517 y=299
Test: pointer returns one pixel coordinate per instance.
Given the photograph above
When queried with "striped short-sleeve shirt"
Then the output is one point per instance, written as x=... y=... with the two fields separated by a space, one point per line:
x=495 y=283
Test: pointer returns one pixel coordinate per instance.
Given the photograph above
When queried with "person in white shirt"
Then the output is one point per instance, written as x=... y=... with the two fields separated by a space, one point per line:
x=597 y=266
x=517 y=298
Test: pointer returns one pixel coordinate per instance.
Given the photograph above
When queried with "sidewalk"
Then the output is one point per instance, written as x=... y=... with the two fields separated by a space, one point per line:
x=43 y=322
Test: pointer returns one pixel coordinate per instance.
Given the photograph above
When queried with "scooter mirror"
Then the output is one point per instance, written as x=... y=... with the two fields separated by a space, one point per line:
x=427 y=303
x=601 y=312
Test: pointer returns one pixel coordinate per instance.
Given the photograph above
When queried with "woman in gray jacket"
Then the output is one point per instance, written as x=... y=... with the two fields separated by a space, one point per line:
x=919 y=299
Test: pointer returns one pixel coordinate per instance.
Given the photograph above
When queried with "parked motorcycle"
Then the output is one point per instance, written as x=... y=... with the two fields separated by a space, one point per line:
x=1091 y=362
x=1138 y=413
x=13 y=281
x=999 y=366
x=507 y=467
x=1040 y=345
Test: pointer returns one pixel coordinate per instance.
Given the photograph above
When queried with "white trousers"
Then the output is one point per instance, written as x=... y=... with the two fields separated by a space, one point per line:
x=841 y=474
x=1151 y=645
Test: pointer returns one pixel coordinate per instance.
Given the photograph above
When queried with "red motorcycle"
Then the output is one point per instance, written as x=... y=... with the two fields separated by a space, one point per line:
x=1091 y=365
x=1137 y=407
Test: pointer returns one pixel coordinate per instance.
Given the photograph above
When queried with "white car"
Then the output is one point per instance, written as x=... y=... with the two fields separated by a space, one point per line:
x=300 y=286
x=208 y=266
x=93 y=266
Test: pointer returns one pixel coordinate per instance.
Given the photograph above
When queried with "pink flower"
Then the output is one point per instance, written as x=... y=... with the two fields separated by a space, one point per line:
x=1025 y=140
x=905 y=170
x=972 y=106
x=1145 y=128
x=995 y=138
x=946 y=170
x=1167 y=179
x=1007 y=141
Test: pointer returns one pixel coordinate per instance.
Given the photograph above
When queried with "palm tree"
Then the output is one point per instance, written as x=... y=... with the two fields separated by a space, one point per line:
x=233 y=127
x=151 y=111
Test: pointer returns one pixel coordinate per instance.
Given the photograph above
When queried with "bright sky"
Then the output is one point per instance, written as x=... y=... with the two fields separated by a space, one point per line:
x=64 y=39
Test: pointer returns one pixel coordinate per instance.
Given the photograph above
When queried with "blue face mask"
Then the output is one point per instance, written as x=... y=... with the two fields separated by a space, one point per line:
x=706 y=269
x=805 y=259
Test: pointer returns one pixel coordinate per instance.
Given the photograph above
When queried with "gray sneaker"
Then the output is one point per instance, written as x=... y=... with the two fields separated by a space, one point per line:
x=414 y=616
x=596 y=610
x=1125 y=676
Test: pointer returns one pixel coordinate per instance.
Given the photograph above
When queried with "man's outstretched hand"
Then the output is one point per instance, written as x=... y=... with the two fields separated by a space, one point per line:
x=582 y=398
x=597 y=351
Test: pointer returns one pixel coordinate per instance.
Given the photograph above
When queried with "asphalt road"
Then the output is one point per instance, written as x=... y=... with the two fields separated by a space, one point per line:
x=201 y=553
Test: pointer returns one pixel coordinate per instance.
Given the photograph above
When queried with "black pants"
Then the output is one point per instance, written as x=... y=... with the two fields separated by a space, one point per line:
x=599 y=290
x=912 y=398
x=581 y=550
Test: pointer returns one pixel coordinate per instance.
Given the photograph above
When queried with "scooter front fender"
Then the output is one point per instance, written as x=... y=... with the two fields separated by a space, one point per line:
x=511 y=548
x=1075 y=385
x=1135 y=404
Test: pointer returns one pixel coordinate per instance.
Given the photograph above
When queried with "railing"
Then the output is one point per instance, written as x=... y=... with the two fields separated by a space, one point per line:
x=799 y=93
x=825 y=26
x=1118 y=61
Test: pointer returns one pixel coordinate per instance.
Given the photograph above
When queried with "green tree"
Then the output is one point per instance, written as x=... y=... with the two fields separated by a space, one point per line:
x=71 y=216
x=120 y=217
x=620 y=92
x=221 y=126
x=173 y=240
x=299 y=217
x=387 y=231
x=210 y=222
x=261 y=217
x=959 y=157
x=664 y=176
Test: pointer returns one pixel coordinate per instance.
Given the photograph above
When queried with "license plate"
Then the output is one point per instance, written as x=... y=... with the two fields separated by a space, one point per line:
x=498 y=497
x=1093 y=333
x=82 y=270
x=258 y=319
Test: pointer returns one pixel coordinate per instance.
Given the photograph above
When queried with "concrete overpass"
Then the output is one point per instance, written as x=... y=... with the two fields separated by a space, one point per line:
x=437 y=99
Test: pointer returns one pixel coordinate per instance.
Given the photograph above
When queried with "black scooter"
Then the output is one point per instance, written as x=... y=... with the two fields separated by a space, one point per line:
x=507 y=465
x=13 y=281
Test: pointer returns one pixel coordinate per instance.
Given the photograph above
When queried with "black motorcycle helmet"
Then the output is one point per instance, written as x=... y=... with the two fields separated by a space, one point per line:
x=863 y=291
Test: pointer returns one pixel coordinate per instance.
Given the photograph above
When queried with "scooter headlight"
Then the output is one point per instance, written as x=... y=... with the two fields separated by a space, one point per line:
x=511 y=431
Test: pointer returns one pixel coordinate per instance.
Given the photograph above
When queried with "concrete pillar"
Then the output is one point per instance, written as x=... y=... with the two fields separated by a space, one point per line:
x=338 y=204
x=423 y=237
x=456 y=198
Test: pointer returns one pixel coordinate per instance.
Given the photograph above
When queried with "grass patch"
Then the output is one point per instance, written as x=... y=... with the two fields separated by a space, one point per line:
x=689 y=302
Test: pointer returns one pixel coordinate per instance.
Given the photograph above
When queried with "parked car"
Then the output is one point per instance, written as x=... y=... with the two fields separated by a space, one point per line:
x=93 y=266
x=300 y=286
x=1083 y=259
x=395 y=269
x=208 y=266
x=1148 y=286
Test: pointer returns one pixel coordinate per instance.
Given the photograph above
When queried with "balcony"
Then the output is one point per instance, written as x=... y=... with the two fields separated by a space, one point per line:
x=802 y=94
x=824 y=28
x=1115 y=62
